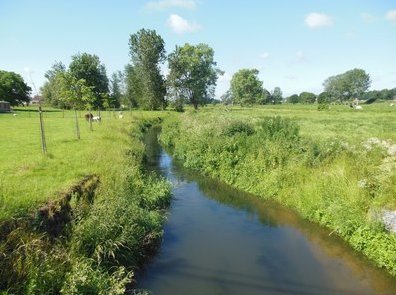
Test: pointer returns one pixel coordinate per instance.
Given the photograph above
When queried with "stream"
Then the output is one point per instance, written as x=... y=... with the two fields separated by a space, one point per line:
x=218 y=240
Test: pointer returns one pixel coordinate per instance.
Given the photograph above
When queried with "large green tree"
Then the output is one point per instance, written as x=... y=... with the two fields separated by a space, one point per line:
x=89 y=68
x=144 y=79
x=246 y=87
x=192 y=74
x=276 y=96
x=347 y=86
x=307 y=97
x=13 y=88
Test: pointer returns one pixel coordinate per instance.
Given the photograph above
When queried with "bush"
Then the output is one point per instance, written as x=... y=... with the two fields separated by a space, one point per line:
x=238 y=127
x=278 y=128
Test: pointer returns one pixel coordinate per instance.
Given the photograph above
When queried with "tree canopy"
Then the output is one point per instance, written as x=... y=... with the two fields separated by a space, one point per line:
x=89 y=68
x=13 y=88
x=246 y=87
x=349 y=85
x=144 y=80
x=192 y=73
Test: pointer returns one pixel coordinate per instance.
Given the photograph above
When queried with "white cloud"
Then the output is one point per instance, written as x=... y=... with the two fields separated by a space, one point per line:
x=164 y=4
x=391 y=16
x=316 y=20
x=367 y=17
x=264 y=55
x=181 y=25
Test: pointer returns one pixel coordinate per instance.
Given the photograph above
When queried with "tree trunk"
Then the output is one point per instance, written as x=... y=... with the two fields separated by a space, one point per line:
x=77 y=127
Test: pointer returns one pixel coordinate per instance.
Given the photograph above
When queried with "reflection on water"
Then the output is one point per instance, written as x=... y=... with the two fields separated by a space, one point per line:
x=221 y=241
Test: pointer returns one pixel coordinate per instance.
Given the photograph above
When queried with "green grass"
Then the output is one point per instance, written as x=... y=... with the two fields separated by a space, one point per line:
x=315 y=162
x=375 y=120
x=28 y=179
x=107 y=240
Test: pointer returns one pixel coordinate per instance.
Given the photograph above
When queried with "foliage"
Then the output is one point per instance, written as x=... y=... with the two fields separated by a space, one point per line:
x=316 y=168
x=192 y=73
x=51 y=90
x=246 y=87
x=307 y=97
x=276 y=96
x=13 y=89
x=108 y=239
x=227 y=98
x=145 y=82
x=116 y=90
x=349 y=85
x=87 y=67
x=293 y=98
x=238 y=127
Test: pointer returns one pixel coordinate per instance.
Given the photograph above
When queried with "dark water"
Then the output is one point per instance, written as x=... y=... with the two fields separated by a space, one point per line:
x=218 y=240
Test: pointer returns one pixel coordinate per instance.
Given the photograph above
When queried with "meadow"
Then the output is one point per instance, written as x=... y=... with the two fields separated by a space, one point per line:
x=335 y=167
x=105 y=235
x=27 y=178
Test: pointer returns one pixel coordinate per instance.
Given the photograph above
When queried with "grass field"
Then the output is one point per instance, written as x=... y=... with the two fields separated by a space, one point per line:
x=375 y=120
x=107 y=237
x=28 y=179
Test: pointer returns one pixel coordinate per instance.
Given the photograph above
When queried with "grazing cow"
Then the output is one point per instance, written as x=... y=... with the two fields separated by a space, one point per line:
x=96 y=119
x=88 y=116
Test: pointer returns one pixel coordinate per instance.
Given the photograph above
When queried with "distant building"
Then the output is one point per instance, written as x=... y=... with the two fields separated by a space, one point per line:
x=5 y=107
x=36 y=99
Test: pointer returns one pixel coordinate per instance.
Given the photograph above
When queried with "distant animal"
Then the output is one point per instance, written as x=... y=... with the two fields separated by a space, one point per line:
x=14 y=114
x=88 y=116
x=358 y=108
x=96 y=119
x=121 y=116
x=392 y=104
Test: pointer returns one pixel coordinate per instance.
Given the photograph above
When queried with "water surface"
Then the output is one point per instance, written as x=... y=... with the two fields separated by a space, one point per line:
x=218 y=240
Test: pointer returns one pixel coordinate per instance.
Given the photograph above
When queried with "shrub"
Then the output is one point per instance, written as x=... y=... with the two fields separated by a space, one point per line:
x=238 y=127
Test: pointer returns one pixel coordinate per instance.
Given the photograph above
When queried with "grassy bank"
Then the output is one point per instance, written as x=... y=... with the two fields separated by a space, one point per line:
x=324 y=165
x=107 y=238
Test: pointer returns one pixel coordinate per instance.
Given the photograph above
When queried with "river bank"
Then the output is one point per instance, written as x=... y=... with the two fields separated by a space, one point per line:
x=106 y=233
x=320 y=178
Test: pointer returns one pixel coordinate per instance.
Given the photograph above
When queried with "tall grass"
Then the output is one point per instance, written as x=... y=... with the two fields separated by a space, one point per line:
x=327 y=173
x=108 y=239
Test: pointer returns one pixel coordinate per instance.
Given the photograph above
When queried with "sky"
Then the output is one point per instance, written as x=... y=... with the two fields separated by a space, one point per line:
x=294 y=44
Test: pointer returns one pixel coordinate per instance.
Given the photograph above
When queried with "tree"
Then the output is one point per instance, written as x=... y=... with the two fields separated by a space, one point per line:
x=50 y=90
x=307 y=97
x=227 y=98
x=276 y=96
x=266 y=97
x=89 y=68
x=116 y=89
x=246 y=87
x=192 y=73
x=13 y=88
x=293 y=99
x=145 y=82
x=347 y=86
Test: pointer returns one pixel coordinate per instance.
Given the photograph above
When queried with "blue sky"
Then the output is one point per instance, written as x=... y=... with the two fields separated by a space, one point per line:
x=296 y=45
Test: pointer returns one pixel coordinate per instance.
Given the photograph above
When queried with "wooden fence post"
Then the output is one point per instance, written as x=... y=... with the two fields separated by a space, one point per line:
x=43 y=141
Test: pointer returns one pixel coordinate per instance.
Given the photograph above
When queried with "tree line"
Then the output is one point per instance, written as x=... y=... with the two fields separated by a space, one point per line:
x=191 y=79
